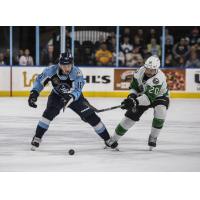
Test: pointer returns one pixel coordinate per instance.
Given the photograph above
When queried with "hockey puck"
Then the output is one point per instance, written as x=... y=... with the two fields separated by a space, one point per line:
x=71 y=152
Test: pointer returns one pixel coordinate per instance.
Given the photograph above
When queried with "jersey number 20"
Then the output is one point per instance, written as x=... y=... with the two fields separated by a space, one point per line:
x=154 y=90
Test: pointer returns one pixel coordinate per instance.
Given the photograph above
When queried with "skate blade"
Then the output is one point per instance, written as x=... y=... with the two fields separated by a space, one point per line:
x=108 y=148
x=33 y=148
x=151 y=148
x=116 y=149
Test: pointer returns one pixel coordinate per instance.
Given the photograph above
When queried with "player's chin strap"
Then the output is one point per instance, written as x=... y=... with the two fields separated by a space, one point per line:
x=101 y=110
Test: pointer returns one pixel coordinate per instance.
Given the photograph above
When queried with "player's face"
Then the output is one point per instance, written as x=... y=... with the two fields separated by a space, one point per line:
x=66 y=68
x=150 y=72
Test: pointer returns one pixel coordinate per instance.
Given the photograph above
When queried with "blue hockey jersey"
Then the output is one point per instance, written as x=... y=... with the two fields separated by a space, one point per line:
x=62 y=83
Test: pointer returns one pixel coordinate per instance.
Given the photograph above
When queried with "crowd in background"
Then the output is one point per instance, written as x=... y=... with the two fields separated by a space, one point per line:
x=134 y=47
x=22 y=57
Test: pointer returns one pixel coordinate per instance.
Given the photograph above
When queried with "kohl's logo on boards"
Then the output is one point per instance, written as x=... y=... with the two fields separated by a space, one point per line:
x=197 y=79
x=105 y=79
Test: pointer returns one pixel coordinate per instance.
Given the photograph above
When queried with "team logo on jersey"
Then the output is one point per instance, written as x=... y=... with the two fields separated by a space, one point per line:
x=64 y=88
x=155 y=81
x=56 y=80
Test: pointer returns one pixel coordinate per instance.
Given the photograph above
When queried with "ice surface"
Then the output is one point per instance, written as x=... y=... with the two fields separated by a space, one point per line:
x=178 y=145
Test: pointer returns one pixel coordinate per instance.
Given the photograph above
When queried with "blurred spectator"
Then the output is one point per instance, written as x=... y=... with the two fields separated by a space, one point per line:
x=112 y=44
x=2 y=59
x=99 y=42
x=168 y=47
x=26 y=59
x=68 y=39
x=193 y=62
x=180 y=62
x=194 y=36
x=126 y=33
x=103 y=56
x=126 y=47
x=87 y=55
x=109 y=39
x=152 y=35
x=187 y=41
x=48 y=58
x=77 y=53
x=140 y=34
x=154 y=48
x=55 y=41
x=17 y=56
x=169 y=61
x=146 y=54
x=168 y=37
x=181 y=50
x=137 y=45
x=121 y=58
x=134 y=58
x=196 y=47
x=7 y=56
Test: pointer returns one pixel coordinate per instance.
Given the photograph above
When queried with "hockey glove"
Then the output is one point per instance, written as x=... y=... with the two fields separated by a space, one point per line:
x=132 y=95
x=33 y=98
x=129 y=103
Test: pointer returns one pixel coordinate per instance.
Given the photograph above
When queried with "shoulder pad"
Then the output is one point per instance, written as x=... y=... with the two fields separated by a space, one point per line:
x=51 y=70
x=139 y=72
x=77 y=71
x=158 y=79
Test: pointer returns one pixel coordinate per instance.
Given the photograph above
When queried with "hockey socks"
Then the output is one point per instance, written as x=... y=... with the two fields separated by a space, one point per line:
x=101 y=130
x=42 y=127
x=157 y=125
x=123 y=127
x=40 y=132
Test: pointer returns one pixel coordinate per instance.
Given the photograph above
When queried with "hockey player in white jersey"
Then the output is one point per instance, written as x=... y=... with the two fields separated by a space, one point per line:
x=148 y=89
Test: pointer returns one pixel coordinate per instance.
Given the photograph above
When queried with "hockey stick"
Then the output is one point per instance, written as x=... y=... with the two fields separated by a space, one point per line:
x=101 y=110
x=64 y=107
x=106 y=109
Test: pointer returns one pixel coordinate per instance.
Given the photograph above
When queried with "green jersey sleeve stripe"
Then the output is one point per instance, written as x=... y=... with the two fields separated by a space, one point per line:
x=134 y=85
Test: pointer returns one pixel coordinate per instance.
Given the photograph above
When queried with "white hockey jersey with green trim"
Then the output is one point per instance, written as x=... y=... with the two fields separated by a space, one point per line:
x=148 y=90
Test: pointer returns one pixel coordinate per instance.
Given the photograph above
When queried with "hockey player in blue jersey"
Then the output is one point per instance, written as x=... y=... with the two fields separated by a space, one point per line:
x=67 y=81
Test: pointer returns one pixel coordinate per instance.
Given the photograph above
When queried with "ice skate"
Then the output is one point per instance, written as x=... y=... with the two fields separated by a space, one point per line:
x=35 y=143
x=113 y=144
x=152 y=142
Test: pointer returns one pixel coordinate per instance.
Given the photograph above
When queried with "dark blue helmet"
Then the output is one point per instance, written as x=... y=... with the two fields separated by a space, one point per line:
x=66 y=58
